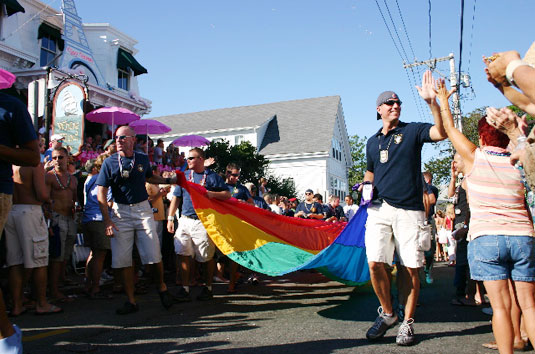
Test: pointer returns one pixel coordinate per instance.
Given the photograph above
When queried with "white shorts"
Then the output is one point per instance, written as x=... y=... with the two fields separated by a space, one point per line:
x=390 y=229
x=136 y=224
x=26 y=237
x=191 y=239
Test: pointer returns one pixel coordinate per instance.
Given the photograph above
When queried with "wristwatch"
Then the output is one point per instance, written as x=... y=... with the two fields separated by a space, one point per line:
x=170 y=218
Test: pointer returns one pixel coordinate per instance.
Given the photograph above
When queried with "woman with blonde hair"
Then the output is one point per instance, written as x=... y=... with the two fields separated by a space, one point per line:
x=449 y=223
x=442 y=238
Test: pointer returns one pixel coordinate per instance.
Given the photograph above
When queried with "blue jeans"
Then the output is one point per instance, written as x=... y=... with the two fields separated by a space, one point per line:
x=499 y=257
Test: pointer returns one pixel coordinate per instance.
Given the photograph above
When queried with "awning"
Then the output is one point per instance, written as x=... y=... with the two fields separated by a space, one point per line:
x=126 y=60
x=52 y=32
x=12 y=6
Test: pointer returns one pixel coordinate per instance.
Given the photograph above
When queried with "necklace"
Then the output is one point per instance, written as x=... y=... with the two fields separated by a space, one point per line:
x=383 y=154
x=494 y=153
x=203 y=180
x=310 y=208
x=59 y=181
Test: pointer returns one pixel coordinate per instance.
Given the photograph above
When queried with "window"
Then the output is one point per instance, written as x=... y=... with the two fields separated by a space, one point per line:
x=48 y=50
x=123 y=79
x=238 y=139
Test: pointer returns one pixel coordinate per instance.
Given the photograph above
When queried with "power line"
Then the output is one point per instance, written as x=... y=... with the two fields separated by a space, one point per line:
x=406 y=58
x=461 y=44
x=429 y=16
x=471 y=37
x=405 y=29
x=411 y=85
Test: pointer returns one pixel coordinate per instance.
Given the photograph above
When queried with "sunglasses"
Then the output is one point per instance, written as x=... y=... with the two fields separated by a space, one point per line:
x=233 y=174
x=59 y=141
x=191 y=158
x=122 y=137
x=308 y=193
x=391 y=102
x=60 y=157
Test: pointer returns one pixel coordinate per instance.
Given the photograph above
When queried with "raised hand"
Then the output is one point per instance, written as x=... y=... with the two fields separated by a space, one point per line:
x=442 y=91
x=504 y=120
x=427 y=91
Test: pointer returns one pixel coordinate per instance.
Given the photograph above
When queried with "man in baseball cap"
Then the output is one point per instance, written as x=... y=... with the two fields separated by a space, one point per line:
x=56 y=140
x=396 y=216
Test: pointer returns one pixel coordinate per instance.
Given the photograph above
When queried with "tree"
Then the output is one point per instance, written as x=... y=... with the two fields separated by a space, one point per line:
x=357 y=148
x=253 y=165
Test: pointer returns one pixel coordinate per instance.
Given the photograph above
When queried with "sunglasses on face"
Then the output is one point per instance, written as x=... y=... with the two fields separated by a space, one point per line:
x=122 y=137
x=59 y=141
x=308 y=193
x=59 y=157
x=391 y=102
x=233 y=174
x=191 y=158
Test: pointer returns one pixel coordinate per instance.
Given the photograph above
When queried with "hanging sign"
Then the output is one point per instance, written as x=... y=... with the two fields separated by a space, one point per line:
x=68 y=115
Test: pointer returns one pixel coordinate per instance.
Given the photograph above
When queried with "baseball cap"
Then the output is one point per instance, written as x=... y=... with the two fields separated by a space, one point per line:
x=56 y=137
x=108 y=143
x=383 y=97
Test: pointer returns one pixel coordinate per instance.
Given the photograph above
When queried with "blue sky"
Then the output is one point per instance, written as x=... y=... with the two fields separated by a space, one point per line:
x=203 y=55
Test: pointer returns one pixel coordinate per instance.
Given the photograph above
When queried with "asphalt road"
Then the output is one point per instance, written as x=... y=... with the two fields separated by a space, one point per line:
x=300 y=313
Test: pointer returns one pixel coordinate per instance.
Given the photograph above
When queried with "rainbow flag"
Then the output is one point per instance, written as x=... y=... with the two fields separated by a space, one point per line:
x=275 y=245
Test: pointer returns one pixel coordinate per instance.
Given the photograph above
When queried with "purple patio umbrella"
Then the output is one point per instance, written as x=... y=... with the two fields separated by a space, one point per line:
x=112 y=115
x=6 y=79
x=149 y=126
x=191 y=140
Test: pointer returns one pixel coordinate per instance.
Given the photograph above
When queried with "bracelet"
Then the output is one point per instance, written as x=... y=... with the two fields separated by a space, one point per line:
x=170 y=218
x=511 y=67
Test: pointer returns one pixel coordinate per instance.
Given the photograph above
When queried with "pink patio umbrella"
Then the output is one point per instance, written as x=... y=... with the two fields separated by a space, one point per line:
x=112 y=115
x=149 y=126
x=6 y=79
x=191 y=140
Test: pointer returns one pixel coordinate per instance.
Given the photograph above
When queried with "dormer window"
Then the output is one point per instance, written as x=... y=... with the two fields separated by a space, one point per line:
x=51 y=41
x=126 y=63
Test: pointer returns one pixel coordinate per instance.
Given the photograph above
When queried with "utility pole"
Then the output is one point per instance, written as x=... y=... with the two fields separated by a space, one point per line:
x=454 y=82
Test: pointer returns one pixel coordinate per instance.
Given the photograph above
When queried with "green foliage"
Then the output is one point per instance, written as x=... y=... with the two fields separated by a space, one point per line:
x=253 y=165
x=357 y=170
x=282 y=186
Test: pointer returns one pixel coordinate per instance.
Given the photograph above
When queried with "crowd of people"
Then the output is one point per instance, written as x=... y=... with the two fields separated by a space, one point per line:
x=135 y=215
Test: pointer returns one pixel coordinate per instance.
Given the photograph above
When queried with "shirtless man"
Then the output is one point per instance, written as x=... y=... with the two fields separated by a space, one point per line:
x=62 y=187
x=27 y=238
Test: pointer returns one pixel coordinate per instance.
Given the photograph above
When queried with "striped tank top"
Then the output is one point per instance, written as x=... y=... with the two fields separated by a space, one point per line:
x=496 y=196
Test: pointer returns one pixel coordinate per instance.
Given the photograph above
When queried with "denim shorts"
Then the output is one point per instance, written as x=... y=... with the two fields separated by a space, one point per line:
x=499 y=257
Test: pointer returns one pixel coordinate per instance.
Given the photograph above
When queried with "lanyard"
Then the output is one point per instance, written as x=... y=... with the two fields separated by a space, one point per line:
x=126 y=173
x=203 y=180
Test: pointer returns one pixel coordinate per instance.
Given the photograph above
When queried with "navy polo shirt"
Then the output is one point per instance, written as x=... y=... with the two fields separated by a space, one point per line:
x=239 y=191
x=309 y=208
x=213 y=183
x=16 y=128
x=129 y=190
x=399 y=180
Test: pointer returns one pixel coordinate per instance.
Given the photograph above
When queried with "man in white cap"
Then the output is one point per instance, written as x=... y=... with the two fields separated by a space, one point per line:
x=56 y=140
x=396 y=216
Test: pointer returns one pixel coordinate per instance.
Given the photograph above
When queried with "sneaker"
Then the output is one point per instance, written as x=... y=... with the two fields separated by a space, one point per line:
x=182 y=296
x=382 y=324
x=166 y=299
x=429 y=278
x=205 y=294
x=405 y=333
x=127 y=308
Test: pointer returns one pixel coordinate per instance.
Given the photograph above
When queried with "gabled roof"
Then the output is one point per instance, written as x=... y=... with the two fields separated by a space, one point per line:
x=298 y=126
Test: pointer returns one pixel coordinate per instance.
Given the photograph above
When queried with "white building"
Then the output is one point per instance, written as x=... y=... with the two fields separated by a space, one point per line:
x=304 y=139
x=46 y=48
